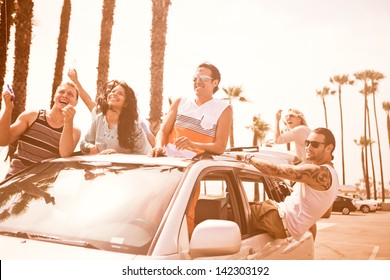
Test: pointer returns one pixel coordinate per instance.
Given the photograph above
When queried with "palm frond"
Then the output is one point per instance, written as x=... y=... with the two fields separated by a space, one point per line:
x=4 y=215
x=22 y=205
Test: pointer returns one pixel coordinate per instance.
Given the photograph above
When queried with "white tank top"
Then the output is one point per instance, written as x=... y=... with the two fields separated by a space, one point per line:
x=305 y=206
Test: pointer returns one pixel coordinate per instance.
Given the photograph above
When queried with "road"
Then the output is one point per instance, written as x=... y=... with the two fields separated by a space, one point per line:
x=356 y=236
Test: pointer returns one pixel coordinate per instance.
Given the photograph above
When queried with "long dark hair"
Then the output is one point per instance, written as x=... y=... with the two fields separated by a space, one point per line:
x=128 y=118
x=102 y=95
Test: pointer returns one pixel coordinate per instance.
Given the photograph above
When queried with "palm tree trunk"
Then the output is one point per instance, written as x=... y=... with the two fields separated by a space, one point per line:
x=254 y=139
x=379 y=148
x=365 y=139
x=158 y=42
x=61 y=49
x=371 y=154
x=342 y=135
x=326 y=115
x=105 y=42
x=23 y=31
x=388 y=127
x=363 y=165
x=7 y=8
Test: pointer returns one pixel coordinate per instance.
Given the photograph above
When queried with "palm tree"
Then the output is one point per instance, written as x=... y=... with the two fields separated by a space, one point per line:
x=370 y=146
x=375 y=77
x=323 y=93
x=341 y=80
x=15 y=198
x=23 y=31
x=363 y=76
x=371 y=78
x=158 y=41
x=61 y=49
x=7 y=9
x=259 y=128
x=363 y=143
x=105 y=42
x=386 y=107
x=233 y=93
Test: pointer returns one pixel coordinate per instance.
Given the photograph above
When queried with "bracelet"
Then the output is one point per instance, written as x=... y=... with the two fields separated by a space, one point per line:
x=247 y=158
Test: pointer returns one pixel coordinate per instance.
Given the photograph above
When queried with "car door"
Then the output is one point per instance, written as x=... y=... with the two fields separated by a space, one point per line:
x=258 y=188
x=233 y=190
x=220 y=199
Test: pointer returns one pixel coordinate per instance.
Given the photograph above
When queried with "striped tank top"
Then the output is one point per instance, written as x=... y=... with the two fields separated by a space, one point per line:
x=198 y=123
x=39 y=142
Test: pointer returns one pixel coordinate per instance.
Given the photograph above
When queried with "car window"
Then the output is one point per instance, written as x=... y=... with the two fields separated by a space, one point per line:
x=225 y=196
x=258 y=188
x=220 y=198
x=254 y=189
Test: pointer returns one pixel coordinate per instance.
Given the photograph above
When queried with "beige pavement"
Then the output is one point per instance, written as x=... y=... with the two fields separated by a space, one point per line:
x=356 y=236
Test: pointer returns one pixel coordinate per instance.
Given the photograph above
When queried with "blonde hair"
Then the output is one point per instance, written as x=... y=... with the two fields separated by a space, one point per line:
x=72 y=85
x=298 y=114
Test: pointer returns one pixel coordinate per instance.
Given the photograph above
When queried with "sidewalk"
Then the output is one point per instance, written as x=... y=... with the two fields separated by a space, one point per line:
x=357 y=236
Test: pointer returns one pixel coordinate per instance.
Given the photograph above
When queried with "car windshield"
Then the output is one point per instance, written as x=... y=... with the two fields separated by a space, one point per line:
x=108 y=206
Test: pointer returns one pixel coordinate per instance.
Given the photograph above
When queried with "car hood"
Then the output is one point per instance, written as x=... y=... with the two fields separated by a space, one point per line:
x=23 y=249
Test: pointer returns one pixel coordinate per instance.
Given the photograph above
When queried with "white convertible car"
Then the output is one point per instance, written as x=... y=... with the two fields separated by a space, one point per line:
x=134 y=207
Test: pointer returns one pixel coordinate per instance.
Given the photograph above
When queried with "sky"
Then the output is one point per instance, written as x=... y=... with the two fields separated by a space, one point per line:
x=279 y=51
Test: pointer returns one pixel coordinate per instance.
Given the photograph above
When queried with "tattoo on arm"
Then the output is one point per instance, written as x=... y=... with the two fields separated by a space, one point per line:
x=320 y=177
x=317 y=177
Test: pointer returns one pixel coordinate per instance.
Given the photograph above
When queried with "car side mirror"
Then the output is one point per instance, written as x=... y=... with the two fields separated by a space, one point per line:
x=215 y=238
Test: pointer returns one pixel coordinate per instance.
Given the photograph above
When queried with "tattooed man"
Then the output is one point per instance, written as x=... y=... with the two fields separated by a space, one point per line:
x=312 y=196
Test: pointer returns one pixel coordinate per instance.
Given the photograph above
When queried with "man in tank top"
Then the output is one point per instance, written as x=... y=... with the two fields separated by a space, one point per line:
x=41 y=134
x=199 y=124
x=311 y=197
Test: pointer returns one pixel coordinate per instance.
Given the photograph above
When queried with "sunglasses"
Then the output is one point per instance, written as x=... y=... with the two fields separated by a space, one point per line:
x=314 y=144
x=291 y=116
x=202 y=78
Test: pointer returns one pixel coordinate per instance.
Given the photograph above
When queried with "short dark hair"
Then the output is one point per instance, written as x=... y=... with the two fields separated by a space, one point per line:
x=215 y=74
x=329 y=137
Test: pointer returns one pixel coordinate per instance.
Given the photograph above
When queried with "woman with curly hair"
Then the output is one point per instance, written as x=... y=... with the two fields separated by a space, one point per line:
x=94 y=106
x=115 y=127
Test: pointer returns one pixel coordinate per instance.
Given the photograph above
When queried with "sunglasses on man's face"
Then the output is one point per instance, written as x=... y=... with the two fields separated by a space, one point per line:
x=314 y=144
x=202 y=78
